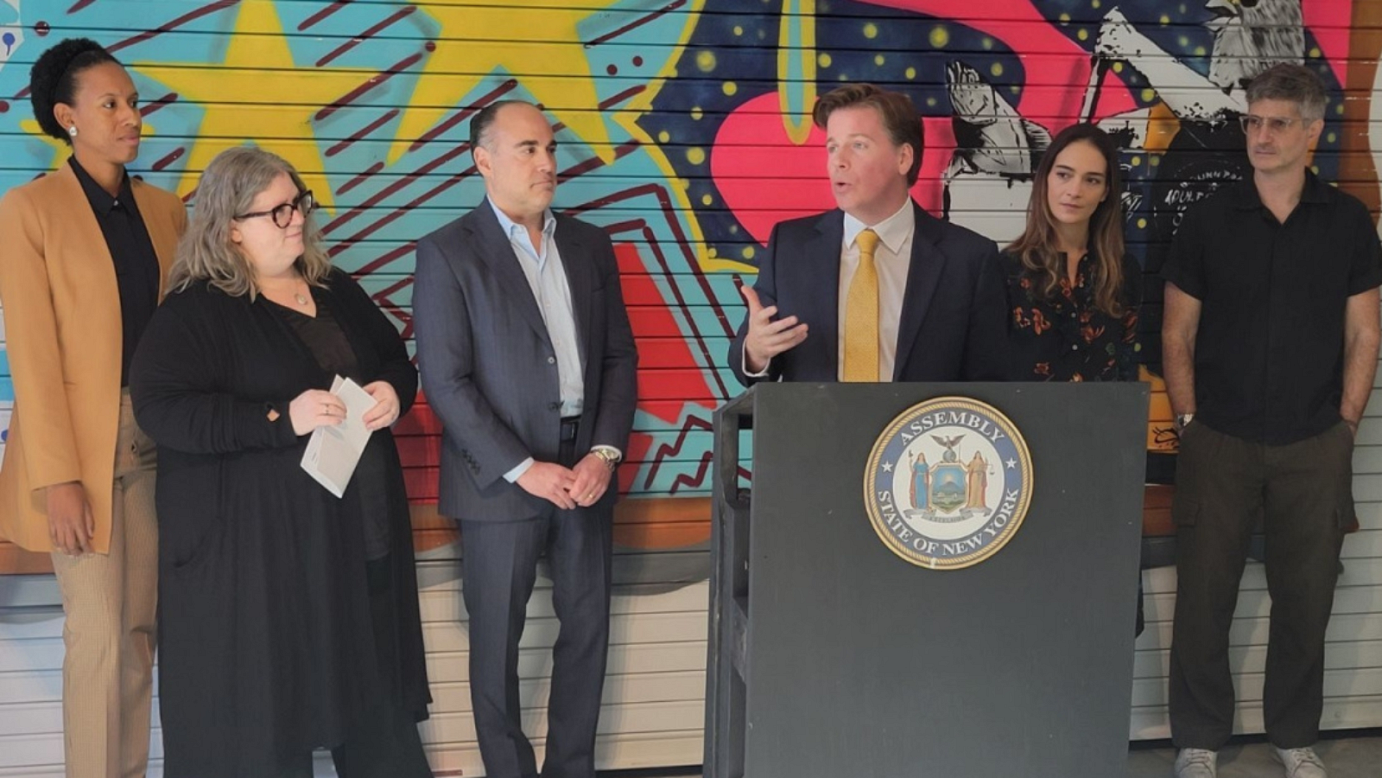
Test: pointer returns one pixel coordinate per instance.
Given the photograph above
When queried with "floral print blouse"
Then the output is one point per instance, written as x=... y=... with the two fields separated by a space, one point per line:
x=1066 y=338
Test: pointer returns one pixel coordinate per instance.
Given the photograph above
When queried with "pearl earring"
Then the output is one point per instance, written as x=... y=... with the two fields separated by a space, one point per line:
x=72 y=131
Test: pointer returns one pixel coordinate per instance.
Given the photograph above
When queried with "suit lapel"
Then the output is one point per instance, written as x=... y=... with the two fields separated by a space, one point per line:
x=822 y=259
x=923 y=276
x=575 y=260
x=497 y=253
x=88 y=239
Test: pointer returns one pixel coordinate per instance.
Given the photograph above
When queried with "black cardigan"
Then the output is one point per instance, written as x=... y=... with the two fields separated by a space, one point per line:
x=255 y=555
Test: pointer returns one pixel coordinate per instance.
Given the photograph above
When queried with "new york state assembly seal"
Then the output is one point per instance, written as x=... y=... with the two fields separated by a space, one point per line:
x=948 y=483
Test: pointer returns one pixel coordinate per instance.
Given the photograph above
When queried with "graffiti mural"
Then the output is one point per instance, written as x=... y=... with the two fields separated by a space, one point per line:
x=684 y=132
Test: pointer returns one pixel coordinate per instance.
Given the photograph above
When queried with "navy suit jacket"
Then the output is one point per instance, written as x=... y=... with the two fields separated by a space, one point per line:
x=488 y=367
x=954 y=310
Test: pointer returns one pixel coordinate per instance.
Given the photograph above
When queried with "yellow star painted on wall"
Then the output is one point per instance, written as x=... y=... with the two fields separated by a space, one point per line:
x=258 y=64
x=61 y=151
x=473 y=41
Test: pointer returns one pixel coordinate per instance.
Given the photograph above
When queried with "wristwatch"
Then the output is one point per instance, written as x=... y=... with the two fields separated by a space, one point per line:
x=608 y=454
x=1183 y=420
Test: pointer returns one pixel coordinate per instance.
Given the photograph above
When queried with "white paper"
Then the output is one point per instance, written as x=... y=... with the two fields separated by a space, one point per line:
x=333 y=452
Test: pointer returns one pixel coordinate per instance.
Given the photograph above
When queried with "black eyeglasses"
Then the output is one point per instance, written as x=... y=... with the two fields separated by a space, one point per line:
x=283 y=214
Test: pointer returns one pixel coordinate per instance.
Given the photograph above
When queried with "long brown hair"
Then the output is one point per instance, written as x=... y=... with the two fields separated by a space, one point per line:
x=1037 y=248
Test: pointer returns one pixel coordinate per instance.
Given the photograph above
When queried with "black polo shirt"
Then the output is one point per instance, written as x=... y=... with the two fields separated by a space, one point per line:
x=136 y=264
x=1270 y=346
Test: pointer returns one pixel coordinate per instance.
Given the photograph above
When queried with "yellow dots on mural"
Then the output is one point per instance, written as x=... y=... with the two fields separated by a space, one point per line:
x=1141 y=224
x=729 y=88
x=996 y=69
x=1083 y=34
x=878 y=60
x=1148 y=95
x=705 y=61
x=987 y=43
x=1315 y=169
x=930 y=102
x=1339 y=109
x=824 y=60
x=1095 y=4
x=910 y=73
x=712 y=253
x=1154 y=161
x=697 y=113
x=1315 y=53
x=748 y=252
x=1065 y=18
x=733 y=229
x=1200 y=51
x=1136 y=161
x=1165 y=20
x=1331 y=137
x=707 y=199
x=683 y=183
x=1183 y=41
x=939 y=37
x=1118 y=67
x=870 y=31
x=664 y=136
x=1015 y=89
x=695 y=155
x=738 y=30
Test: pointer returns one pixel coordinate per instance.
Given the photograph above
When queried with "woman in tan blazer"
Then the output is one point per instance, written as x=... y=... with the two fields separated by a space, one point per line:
x=82 y=266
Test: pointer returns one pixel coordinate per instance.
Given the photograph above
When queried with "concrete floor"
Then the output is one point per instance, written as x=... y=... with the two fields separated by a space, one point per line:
x=1347 y=755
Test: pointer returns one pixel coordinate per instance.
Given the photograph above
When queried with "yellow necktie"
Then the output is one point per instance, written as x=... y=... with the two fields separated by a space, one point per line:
x=861 y=314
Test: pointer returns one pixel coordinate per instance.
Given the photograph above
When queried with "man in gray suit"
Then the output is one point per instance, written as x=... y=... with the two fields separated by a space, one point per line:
x=528 y=360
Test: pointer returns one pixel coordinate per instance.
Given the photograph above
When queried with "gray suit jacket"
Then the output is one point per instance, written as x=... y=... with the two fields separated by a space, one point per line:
x=488 y=368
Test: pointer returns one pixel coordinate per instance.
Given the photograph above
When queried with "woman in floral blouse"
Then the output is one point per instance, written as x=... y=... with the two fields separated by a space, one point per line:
x=1072 y=290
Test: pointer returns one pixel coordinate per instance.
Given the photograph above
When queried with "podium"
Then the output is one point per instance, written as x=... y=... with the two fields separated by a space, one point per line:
x=833 y=654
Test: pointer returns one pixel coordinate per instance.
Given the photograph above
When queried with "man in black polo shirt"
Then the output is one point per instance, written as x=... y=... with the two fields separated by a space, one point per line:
x=1270 y=344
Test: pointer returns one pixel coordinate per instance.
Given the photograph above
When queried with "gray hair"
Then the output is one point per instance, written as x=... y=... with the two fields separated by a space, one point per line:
x=228 y=187
x=1294 y=83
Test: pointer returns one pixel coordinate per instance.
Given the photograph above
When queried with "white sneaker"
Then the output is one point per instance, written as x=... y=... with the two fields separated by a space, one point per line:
x=1301 y=762
x=1198 y=763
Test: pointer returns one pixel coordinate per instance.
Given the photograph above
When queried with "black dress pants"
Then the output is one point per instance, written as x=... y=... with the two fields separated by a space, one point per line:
x=498 y=571
x=1302 y=491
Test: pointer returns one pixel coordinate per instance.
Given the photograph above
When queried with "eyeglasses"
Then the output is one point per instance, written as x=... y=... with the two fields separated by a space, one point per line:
x=283 y=214
x=1274 y=123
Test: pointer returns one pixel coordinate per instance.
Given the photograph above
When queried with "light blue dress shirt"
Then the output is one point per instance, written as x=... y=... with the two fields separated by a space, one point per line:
x=546 y=275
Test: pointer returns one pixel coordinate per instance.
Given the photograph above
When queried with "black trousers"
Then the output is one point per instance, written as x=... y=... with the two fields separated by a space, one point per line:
x=1302 y=492
x=498 y=570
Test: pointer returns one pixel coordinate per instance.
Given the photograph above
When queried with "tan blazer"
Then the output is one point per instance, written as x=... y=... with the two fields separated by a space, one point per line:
x=63 y=334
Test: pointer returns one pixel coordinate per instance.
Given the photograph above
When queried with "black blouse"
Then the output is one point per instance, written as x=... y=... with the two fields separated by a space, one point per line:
x=1066 y=338
x=136 y=263
x=330 y=347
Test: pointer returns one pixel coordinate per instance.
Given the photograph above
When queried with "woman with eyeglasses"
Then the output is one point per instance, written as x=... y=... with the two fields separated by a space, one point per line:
x=290 y=617
x=83 y=254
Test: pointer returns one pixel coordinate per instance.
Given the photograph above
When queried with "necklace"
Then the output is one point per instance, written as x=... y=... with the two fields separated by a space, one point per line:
x=300 y=298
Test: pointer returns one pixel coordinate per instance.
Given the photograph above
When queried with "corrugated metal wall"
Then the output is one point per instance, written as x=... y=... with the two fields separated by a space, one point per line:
x=684 y=133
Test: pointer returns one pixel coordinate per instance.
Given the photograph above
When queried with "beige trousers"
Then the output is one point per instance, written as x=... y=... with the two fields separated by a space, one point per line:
x=109 y=602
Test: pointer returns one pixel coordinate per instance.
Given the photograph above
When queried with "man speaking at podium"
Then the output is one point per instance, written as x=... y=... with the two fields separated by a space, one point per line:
x=877 y=289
